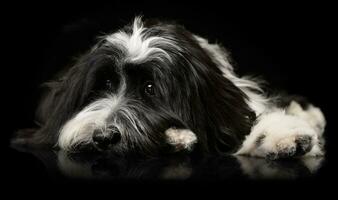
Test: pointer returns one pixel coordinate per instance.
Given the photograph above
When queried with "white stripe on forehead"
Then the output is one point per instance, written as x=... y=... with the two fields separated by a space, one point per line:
x=138 y=47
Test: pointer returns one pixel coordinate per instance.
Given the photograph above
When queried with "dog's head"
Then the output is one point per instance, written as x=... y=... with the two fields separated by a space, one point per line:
x=135 y=84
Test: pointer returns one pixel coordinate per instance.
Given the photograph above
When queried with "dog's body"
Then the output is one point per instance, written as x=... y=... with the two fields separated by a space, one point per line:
x=152 y=88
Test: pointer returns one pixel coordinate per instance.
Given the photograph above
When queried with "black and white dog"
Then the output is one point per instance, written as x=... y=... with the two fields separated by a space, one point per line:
x=153 y=88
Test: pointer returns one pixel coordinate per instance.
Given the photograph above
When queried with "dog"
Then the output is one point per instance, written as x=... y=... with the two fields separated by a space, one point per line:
x=154 y=87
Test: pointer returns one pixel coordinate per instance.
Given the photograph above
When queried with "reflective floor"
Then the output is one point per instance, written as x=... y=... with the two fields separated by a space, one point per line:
x=60 y=165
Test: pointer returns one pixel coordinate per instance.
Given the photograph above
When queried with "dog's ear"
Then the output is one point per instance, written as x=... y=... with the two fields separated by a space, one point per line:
x=37 y=137
x=63 y=98
x=60 y=99
x=22 y=139
x=52 y=93
x=227 y=115
x=229 y=112
x=51 y=101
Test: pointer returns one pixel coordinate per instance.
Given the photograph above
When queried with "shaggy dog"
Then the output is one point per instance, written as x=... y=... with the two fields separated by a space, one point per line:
x=154 y=87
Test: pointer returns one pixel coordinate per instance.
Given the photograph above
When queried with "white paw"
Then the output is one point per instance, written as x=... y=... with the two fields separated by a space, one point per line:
x=313 y=115
x=181 y=139
x=278 y=135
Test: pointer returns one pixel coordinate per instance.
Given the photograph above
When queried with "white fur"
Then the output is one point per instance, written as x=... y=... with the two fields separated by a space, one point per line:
x=280 y=132
x=139 y=48
x=181 y=138
x=133 y=120
x=279 y=127
x=80 y=128
x=256 y=100
x=312 y=115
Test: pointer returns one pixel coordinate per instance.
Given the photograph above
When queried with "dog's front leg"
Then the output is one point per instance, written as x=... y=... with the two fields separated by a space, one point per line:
x=181 y=139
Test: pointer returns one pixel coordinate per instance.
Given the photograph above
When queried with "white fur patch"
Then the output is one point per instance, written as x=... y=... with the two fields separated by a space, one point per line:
x=80 y=128
x=256 y=100
x=312 y=115
x=280 y=131
x=181 y=138
x=280 y=128
x=139 y=47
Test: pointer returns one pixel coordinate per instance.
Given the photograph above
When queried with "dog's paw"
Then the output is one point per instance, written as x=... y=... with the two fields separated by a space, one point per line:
x=313 y=115
x=290 y=146
x=278 y=135
x=181 y=139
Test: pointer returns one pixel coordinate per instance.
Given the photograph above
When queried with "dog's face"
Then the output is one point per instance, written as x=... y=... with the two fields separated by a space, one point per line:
x=137 y=83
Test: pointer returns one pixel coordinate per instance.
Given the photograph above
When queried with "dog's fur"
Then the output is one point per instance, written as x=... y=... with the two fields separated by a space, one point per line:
x=164 y=89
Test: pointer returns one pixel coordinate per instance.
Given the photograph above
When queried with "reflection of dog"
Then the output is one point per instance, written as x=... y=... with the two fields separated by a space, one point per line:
x=151 y=86
x=183 y=167
x=257 y=168
x=61 y=164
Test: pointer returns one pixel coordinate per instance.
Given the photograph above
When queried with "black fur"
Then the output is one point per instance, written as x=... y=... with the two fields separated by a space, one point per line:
x=190 y=93
x=284 y=101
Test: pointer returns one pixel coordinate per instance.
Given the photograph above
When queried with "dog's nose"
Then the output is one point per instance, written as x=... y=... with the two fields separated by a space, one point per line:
x=104 y=139
x=115 y=135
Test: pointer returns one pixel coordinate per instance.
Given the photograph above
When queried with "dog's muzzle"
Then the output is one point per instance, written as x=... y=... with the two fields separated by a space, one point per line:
x=104 y=139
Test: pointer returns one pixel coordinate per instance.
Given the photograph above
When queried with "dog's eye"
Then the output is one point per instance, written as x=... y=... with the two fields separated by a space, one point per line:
x=149 y=89
x=108 y=84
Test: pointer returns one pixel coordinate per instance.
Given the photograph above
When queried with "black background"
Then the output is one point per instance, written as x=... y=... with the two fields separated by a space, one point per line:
x=288 y=45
